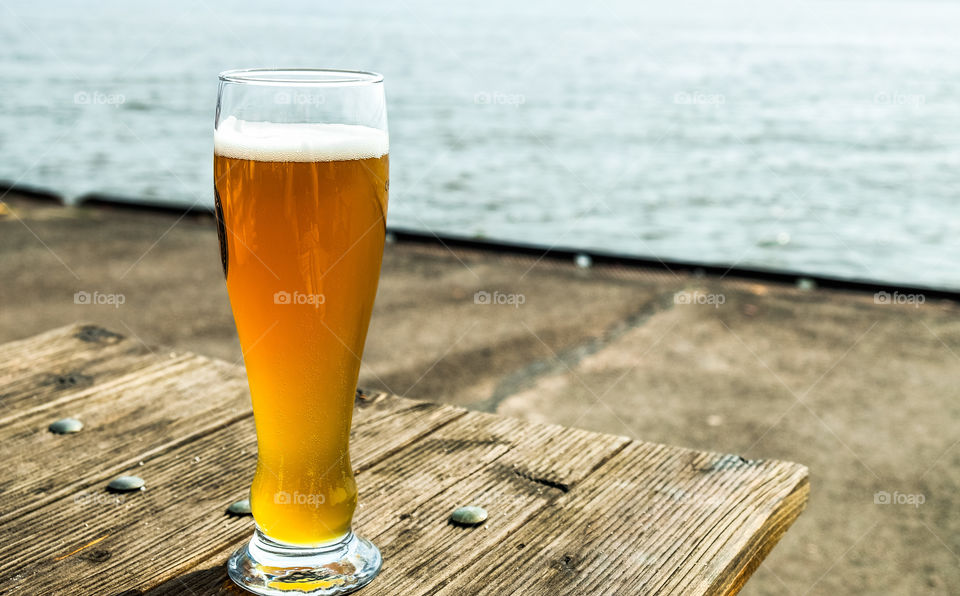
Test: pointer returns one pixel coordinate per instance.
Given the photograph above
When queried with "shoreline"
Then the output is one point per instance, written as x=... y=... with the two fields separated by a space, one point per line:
x=581 y=257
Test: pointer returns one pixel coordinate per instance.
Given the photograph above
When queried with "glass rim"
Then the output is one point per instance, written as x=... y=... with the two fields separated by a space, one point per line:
x=306 y=77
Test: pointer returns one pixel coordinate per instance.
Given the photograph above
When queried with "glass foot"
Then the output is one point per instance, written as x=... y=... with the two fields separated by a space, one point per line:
x=267 y=567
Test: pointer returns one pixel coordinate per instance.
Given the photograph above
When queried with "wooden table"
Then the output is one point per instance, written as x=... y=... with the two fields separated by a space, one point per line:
x=571 y=511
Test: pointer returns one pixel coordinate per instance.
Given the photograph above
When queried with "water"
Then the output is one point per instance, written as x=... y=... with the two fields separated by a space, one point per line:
x=815 y=136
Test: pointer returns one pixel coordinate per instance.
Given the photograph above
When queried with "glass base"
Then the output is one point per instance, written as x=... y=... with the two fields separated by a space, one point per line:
x=265 y=566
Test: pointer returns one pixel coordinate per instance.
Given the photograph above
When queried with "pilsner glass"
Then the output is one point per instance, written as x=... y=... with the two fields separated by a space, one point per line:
x=301 y=177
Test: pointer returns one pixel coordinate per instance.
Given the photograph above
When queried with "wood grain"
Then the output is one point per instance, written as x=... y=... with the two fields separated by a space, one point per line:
x=652 y=520
x=35 y=371
x=570 y=511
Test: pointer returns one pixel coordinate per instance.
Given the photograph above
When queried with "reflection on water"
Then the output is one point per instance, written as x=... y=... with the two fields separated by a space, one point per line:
x=814 y=136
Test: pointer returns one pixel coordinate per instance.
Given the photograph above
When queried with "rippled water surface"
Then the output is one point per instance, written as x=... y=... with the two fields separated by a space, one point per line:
x=815 y=136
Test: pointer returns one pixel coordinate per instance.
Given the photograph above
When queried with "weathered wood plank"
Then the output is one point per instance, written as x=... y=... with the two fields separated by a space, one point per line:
x=209 y=579
x=181 y=516
x=738 y=570
x=80 y=339
x=13 y=350
x=652 y=520
x=510 y=467
x=538 y=464
x=68 y=359
x=160 y=400
x=126 y=418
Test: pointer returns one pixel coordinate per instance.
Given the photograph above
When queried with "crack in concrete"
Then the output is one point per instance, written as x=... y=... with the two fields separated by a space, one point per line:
x=526 y=377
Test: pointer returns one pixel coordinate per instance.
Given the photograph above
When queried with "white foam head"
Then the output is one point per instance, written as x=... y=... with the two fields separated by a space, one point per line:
x=275 y=141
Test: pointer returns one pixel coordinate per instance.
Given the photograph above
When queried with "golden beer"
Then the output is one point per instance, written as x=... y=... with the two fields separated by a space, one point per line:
x=302 y=210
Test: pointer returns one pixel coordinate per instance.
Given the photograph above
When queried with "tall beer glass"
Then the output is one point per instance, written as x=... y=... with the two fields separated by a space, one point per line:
x=301 y=177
